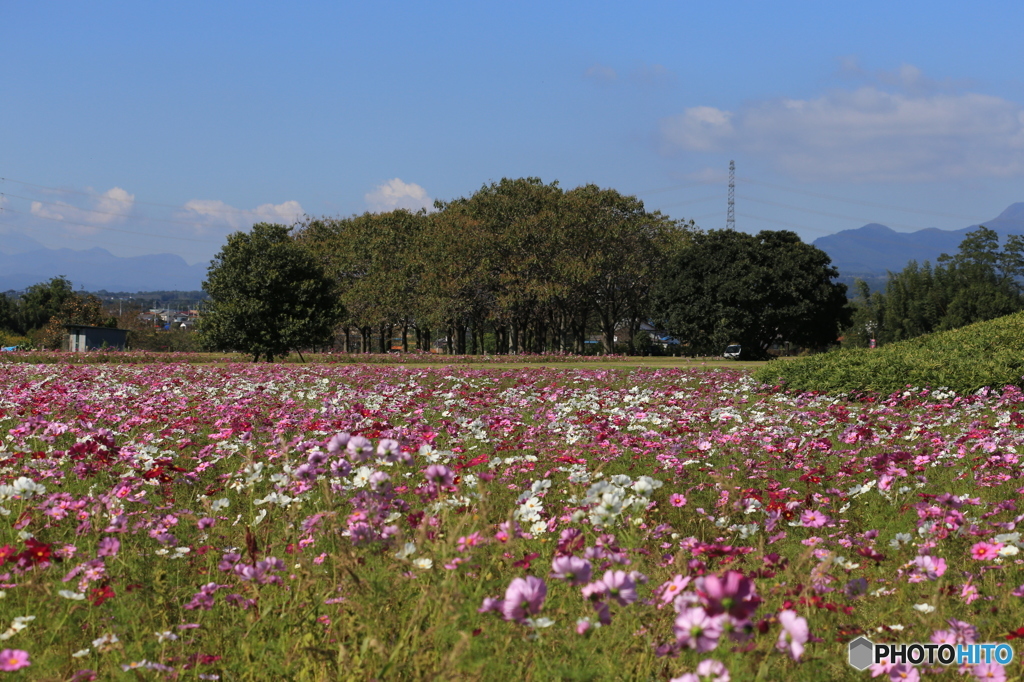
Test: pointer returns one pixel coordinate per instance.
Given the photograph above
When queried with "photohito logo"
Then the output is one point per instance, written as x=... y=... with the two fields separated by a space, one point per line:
x=863 y=652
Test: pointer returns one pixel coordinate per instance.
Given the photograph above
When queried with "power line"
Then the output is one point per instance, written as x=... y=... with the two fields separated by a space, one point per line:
x=818 y=195
x=816 y=212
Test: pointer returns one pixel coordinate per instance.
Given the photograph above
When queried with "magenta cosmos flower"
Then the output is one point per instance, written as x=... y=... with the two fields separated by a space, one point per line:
x=524 y=597
x=986 y=551
x=13 y=659
x=677 y=500
x=733 y=593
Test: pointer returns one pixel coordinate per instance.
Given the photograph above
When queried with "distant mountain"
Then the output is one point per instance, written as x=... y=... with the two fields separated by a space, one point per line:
x=24 y=262
x=870 y=251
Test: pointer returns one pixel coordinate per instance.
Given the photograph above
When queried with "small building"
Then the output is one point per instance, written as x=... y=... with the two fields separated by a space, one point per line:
x=84 y=337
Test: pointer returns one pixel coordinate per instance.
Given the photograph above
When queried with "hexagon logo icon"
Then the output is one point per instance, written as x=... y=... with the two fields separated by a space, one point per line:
x=862 y=653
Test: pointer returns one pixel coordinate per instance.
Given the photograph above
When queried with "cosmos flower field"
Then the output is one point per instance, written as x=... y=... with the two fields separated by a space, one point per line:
x=321 y=522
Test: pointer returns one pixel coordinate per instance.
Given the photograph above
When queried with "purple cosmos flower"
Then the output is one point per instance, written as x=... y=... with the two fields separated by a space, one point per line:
x=710 y=668
x=109 y=547
x=359 y=449
x=524 y=597
x=694 y=628
x=337 y=443
x=570 y=568
x=620 y=587
x=440 y=475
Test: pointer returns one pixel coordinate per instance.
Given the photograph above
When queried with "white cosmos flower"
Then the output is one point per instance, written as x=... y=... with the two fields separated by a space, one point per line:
x=924 y=608
x=68 y=594
x=424 y=563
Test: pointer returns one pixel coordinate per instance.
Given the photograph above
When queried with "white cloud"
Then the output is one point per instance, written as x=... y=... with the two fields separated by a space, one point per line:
x=601 y=72
x=397 y=194
x=207 y=213
x=642 y=75
x=114 y=204
x=110 y=207
x=866 y=134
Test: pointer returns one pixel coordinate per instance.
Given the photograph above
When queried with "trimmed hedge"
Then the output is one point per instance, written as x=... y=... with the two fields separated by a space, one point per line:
x=966 y=359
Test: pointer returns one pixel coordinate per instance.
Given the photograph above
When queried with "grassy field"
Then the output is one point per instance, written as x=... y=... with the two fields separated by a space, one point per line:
x=663 y=520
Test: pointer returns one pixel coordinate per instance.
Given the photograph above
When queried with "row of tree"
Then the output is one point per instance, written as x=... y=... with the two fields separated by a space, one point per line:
x=520 y=266
x=980 y=282
x=37 y=317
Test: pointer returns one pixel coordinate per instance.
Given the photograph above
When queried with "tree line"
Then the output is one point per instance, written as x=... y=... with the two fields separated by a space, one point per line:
x=519 y=266
x=982 y=281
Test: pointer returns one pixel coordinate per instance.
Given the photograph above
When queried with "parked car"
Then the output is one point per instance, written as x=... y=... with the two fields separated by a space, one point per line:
x=732 y=352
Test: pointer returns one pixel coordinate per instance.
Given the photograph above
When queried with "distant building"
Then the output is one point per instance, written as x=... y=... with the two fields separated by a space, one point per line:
x=84 y=337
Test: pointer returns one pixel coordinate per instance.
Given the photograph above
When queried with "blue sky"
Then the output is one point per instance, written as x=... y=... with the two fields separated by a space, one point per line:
x=162 y=127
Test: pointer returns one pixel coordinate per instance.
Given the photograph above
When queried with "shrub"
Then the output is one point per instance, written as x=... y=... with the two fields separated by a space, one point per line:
x=983 y=354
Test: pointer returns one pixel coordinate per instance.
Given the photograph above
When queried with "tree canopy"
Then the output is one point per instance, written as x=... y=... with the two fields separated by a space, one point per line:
x=268 y=296
x=533 y=265
x=732 y=287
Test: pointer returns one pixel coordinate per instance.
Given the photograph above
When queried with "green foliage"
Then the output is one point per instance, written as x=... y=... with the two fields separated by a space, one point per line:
x=524 y=263
x=980 y=282
x=983 y=354
x=41 y=302
x=732 y=287
x=268 y=296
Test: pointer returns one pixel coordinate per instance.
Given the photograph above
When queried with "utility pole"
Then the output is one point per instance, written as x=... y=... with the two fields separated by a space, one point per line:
x=730 y=216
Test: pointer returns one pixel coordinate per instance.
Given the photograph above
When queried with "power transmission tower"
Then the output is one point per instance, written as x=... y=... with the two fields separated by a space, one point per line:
x=730 y=216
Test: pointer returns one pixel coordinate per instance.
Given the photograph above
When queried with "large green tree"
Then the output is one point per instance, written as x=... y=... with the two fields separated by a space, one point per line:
x=731 y=287
x=268 y=296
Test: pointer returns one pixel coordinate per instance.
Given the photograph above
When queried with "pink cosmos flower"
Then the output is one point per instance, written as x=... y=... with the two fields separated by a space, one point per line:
x=472 y=540
x=969 y=592
x=927 y=566
x=813 y=519
x=794 y=633
x=882 y=668
x=904 y=673
x=986 y=551
x=677 y=500
x=714 y=670
x=672 y=589
x=13 y=659
x=989 y=672
x=524 y=597
x=694 y=628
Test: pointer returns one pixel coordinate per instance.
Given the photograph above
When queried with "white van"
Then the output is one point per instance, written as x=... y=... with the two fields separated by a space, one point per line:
x=732 y=352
